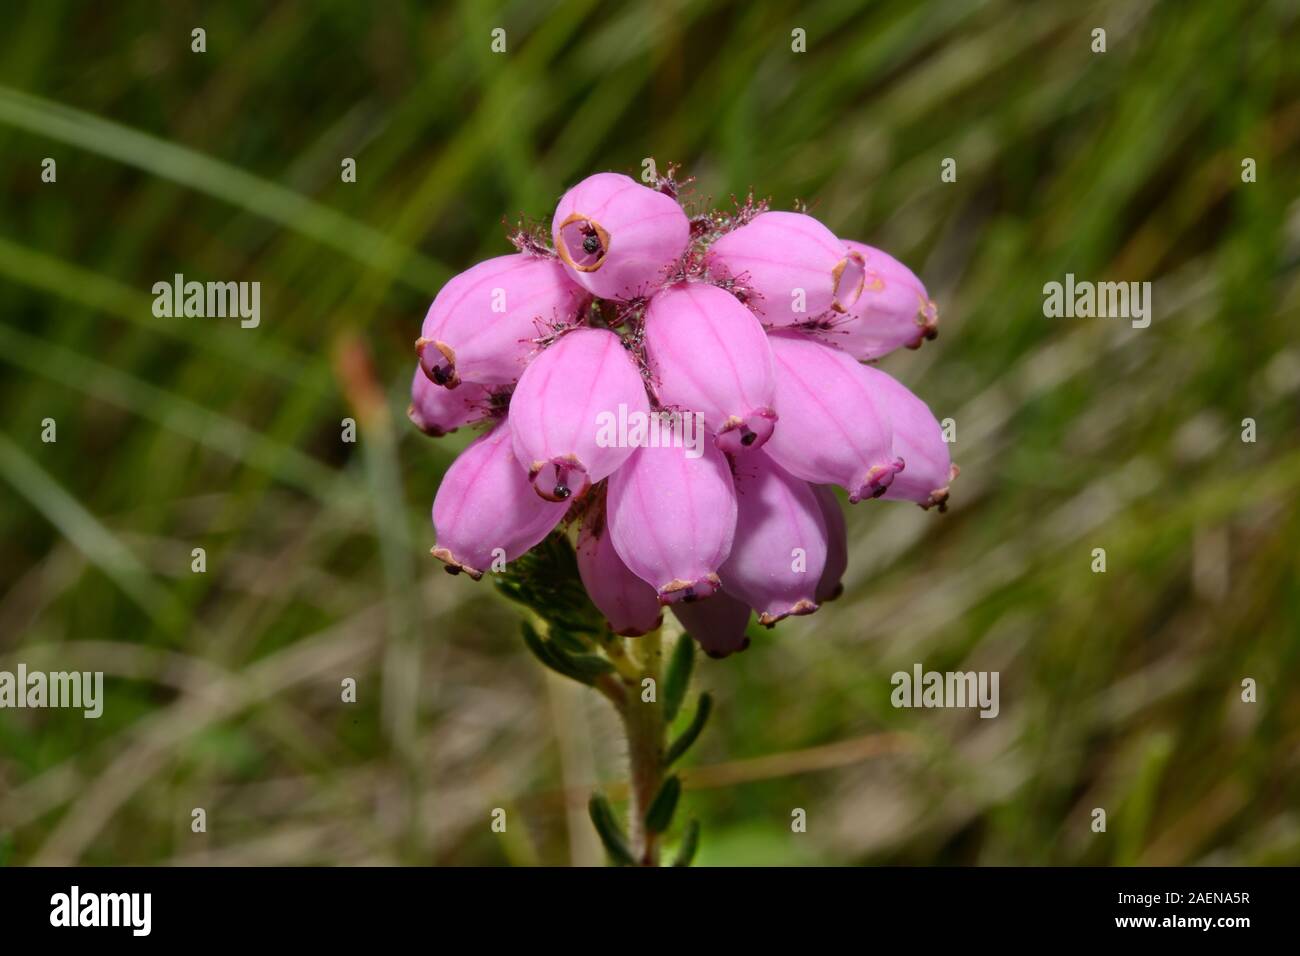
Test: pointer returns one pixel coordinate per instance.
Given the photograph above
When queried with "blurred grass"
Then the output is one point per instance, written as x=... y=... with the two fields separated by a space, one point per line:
x=1118 y=690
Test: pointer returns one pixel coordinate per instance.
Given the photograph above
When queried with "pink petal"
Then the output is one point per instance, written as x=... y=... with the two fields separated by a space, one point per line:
x=779 y=553
x=482 y=325
x=832 y=430
x=556 y=411
x=672 y=518
x=707 y=353
x=484 y=504
x=617 y=237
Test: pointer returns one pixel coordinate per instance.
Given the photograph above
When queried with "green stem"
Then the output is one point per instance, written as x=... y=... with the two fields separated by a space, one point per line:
x=644 y=725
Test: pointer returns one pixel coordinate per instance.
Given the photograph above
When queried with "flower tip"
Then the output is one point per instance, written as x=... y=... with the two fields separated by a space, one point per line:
x=582 y=243
x=641 y=632
x=688 y=592
x=850 y=276
x=877 y=481
x=743 y=434
x=770 y=618
x=939 y=497
x=429 y=428
x=718 y=654
x=454 y=564
x=927 y=321
x=559 y=479
x=438 y=361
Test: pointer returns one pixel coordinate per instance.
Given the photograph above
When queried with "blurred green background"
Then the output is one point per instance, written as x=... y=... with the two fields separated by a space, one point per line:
x=1118 y=690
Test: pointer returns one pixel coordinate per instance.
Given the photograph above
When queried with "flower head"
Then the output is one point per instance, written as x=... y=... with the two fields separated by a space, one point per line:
x=728 y=349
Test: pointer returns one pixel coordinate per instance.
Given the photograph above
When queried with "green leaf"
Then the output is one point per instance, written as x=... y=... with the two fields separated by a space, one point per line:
x=546 y=580
x=678 y=677
x=568 y=641
x=546 y=653
x=683 y=743
x=610 y=833
x=690 y=843
x=660 y=815
x=584 y=668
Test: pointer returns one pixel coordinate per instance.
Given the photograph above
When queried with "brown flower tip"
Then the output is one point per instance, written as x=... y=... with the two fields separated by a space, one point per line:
x=454 y=565
x=850 y=275
x=583 y=243
x=438 y=360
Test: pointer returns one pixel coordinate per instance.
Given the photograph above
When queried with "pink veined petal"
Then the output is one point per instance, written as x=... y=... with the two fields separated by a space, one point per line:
x=618 y=238
x=436 y=410
x=672 y=519
x=629 y=604
x=707 y=353
x=893 y=312
x=483 y=325
x=797 y=267
x=832 y=430
x=560 y=403
x=717 y=624
x=779 y=554
x=485 y=511
x=918 y=440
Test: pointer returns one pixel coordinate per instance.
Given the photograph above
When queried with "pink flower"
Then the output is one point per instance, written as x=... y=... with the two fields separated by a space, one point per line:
x=672 y=518
x=837 y=545
x=832 y=430
x=709 y=354
x=436 y=410
x=629 y=604
x=717 y=623
x=779 y=554
x=616 y=237
x=794 y=264
x=556 y=407
x=894 y=310
x=485 y=512
x=918 y=440
x=756 y=326
x=483 y=325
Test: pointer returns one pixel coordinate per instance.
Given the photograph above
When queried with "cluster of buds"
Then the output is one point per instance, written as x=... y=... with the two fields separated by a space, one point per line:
x=756 y=325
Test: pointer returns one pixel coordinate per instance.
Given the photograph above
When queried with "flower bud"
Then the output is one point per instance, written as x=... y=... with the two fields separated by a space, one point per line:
x=797 y=267
x=837 y=545
x=894 y=310
x=832 y=429
x=779 y=554
x=617 y=237
x=484 y=509
x=556 y=409
x=707 y=353
x=717 y=623
x=918 y=440
x=629 y=604
x=437 y=411
x=483 y=325
x=672 y=518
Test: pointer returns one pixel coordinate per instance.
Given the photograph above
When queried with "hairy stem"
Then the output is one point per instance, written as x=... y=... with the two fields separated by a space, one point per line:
x=645 y=738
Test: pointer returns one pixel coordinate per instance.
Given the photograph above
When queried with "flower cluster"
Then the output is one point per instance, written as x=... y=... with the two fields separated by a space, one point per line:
x=757 y=324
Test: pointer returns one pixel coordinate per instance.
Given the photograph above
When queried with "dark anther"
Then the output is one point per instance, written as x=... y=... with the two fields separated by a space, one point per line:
x=562 y=492
x=591 y=244
x=747 y=438
x=442 y=374
x=452 y=569
x=689 y=596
